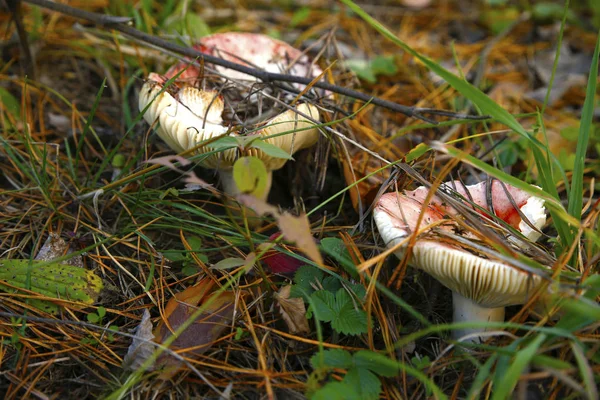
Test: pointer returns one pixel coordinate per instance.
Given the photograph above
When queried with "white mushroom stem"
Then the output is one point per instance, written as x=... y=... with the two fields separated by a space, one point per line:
x=466 y=310
x=231 y=188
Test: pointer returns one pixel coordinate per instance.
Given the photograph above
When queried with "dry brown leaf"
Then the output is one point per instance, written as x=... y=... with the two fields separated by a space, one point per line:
x=141 y=347
x=294 y=229
x=297 y=229
x=292 y=311
x=200 y=335
x=55 y=247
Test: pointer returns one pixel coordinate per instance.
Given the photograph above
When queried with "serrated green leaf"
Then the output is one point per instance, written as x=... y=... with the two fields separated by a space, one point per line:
x=365 y=383
x=359 y=291
x=378 y=363
x=331 y=283
x=271 y=150
x=323 y=304
x=349 y=320
x=305 y=277
x=332 y=358
x=336 y=391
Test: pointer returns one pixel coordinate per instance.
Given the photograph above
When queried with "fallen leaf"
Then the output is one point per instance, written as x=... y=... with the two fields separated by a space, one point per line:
x=297 y=229
x=203 y=332
x=53 y=281
x=294 y=229
x=292 y=311
x=277 y=262
x=55 y=247
x=141 y=347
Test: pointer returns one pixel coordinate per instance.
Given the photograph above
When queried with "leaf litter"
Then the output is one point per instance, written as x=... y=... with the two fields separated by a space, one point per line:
x=146 y=209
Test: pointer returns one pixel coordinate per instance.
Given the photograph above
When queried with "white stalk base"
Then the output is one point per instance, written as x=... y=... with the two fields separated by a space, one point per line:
x=465 y=310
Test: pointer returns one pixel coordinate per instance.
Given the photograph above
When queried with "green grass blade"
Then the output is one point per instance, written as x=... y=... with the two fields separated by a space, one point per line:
x=587 y=115
x=504 y=387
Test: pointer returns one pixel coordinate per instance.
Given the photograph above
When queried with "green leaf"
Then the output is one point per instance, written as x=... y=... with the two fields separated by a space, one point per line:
x=271 y=150
x=223 y=143
x=378 y=363
x=585 y=127
x=368 y=70
x=189 y=270
x=101 y=311
x=336 y=391
x=93 y=318
x=250 y=176
x=55 y=280
x=332 y=358
x=305 y=276
x=331 y=283
x=229 y=263
x=10 y=104
x=584 y=311
x=195 y=242
x=324 y=305
x=349 y=320
x=173 y=255
x=417 y=152
x=365 y=383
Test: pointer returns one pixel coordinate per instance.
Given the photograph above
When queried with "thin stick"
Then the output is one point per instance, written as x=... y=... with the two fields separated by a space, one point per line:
x=118 y=24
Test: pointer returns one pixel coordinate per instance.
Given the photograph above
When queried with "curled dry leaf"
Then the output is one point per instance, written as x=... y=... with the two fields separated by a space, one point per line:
x=292 y=311
x=202 y=333
x=294 y=229
x=141 y=347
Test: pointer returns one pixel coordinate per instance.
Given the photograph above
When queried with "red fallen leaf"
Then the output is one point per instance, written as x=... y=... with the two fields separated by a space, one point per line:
x=280 y=263
x=200 y=335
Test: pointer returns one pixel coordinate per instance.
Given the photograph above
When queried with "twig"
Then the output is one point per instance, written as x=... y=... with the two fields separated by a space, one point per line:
x=117 y=23
x=15 y=8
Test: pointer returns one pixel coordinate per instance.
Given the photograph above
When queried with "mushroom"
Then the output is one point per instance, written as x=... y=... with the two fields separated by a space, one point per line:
x=189 y=116
x=252 y=50
x=481 y=287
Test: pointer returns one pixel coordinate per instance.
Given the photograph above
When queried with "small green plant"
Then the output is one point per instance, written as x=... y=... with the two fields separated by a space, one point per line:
x=189 y=266
x=96 y=318
x=369 y=70
x=331 y=300
x=362 y=380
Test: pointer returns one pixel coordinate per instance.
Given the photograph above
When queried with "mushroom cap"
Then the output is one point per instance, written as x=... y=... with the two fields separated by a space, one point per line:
x=487 y=282
x=252 y=50
x=186 y=118
x=190 y=116
x=289 y=131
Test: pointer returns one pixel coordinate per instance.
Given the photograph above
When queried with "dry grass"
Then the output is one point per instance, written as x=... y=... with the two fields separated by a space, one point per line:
x=47 y=164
